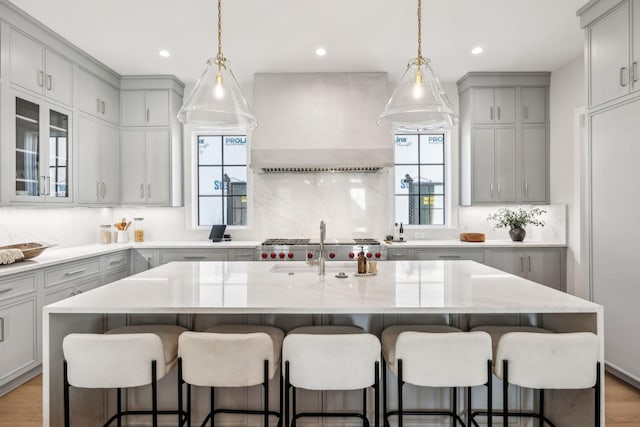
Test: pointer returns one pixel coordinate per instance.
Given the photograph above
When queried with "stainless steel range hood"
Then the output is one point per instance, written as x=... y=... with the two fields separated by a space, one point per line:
x=320 y=122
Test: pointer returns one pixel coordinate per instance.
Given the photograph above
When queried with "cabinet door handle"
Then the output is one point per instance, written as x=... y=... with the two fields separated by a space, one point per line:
x=526 y=189
x=4 y=291
x=622 y=79
x=193 y=257
x=498 y=111
x=142 y=191
x=499 y=189
x=148 y=115
x=116 y=261
x=74 y=272
x=76 y=292
x=1 y=329
x=97 y=190
x=491 y=189
x=103 y=107
x=49 y=82
x=528 y=256
x=449 y=256
x=634 y=72
x=40 y=78
x=245 y=255
x=398 y=255
x=97 y=105
x=490 y=113
x=525 y=112
x=148 y=191
x=148 y=263
x=103 y=193
x=521 y=264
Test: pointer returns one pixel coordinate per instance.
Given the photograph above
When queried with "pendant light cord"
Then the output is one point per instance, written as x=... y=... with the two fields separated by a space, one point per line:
x=220 y=57
x=419 y=33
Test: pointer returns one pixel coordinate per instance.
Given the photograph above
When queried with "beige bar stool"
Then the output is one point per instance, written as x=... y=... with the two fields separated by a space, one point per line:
x=231 y=356
x=436 y=356
x=331 y=358
x=548 y=361
x=131 y=356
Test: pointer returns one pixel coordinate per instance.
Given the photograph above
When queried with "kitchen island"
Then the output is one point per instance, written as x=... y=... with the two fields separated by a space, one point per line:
x=199 y=294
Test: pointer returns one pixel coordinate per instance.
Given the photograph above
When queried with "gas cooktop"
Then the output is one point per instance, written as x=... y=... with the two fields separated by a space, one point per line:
x=291 y=242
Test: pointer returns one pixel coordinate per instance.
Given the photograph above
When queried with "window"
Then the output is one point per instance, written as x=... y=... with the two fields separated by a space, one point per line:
x=222 y=180
x=420 y=179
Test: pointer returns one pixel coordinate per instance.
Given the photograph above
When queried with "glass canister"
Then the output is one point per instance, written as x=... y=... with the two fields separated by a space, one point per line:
x=138 y=229
x=105 y=234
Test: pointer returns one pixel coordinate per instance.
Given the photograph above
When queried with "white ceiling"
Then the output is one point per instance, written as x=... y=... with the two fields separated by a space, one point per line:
x=282 y=35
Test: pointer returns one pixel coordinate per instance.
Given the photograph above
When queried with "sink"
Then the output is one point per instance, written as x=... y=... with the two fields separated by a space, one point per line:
x=329 y=267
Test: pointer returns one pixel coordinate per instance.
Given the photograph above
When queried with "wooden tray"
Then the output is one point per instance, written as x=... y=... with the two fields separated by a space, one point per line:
x=472 y=237
x=29 y=250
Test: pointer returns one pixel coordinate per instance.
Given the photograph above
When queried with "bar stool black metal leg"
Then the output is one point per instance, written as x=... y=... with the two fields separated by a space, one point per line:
x=66 y=394
x=598 y=396
x=385 y=422
x=119 y=406
x=469 y=406
x=180 y=421
x=505 y=393
x=541 y=405
x=294 y=411
x=365 y=421
x=154 y=394
x=266 y=393
x=287 y=387
x=280 y=400
x=454 y=410
x=489 y=393
x=212 y=405
x=399 y=392
x=376 y=394
x=188 y=405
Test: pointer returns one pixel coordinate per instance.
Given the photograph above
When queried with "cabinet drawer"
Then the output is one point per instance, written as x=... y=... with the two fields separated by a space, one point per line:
x=450 y=254
x=18 y=344
x=245 y=255
x=69 y=272
x=191 y=255
x=70 y=291
x=399 y=254
x=115 y=262
x=14 y=286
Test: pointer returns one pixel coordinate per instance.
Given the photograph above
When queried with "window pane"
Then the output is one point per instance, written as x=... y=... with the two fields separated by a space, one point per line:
x=431 y=149
x=405 y=176
x=235 y=150
x=431 y=210
x=210 y=210
x=236 y=210
x=209 y=150
x=235 y=178
x=430 y=175
x=402 y=209
x=406 y=149
x=210 y=181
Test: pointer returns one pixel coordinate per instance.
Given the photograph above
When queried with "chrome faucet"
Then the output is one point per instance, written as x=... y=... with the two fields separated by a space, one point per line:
x=321 y=258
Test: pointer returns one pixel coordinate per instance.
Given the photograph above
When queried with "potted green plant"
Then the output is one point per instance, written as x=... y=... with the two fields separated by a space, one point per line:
x=516 y=219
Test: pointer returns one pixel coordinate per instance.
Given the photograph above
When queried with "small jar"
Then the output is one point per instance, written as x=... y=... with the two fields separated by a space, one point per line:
x=105 y=234
x=138 y=230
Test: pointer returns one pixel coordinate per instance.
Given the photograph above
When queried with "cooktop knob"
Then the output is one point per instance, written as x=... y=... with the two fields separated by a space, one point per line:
x=369 y=254
x=264 y=255
x=352 y=255
x=378 y=254
x=273 y=255
x=309 y=255
x=332 y=255
x=281 y=255
x=290 y=255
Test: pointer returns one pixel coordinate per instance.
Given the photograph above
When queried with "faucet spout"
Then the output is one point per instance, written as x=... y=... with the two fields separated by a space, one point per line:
x=321 y=258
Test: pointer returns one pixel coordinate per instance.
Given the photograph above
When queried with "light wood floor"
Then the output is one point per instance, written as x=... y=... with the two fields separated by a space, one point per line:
x=23 y=406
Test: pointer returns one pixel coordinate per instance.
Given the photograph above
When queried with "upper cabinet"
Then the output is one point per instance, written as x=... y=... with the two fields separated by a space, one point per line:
x=504 y=143
x=151 y=141
x=39 y=69
x=613 y=47
x=144 y=108
x=97 y=97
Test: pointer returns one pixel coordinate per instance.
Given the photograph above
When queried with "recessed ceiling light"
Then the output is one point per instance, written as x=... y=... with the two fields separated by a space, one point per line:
x=164 y=53
x=321 y=51
x=477 y=50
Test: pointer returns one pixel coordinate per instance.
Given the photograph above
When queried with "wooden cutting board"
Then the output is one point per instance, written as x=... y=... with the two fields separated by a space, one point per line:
x=472 y=237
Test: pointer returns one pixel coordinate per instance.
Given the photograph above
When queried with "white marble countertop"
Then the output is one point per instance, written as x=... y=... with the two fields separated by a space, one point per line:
x=260 y=287
x=457 y=244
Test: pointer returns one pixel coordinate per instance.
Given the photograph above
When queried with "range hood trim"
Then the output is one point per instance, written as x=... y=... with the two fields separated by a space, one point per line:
x=319 y=160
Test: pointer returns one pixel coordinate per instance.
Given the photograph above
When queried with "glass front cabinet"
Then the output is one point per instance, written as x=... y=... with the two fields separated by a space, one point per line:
x=42 y=151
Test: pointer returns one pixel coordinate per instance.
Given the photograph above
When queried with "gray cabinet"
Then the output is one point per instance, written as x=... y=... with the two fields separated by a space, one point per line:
x=97 y=97
x=144 y=108
x=245 y=254
x=494 y=105
x=399 y=254
x=504 y=153
x=39 y=69
x=18 y=337
x=494 y=163
x=541 y=265
x=114 y=267
x=98 y=162
x=146 y=166
x=142 y=260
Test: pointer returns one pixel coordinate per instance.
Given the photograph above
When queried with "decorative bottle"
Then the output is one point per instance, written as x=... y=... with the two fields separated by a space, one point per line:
x=401 y=233
x=362 y=262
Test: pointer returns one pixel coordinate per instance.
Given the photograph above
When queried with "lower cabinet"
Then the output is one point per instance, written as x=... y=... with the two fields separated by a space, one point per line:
x=399 y=254
x=449 y=254
x=187 y=255
x=18 y=337
x=541 y=265
x=71 y=289
x=142 y=260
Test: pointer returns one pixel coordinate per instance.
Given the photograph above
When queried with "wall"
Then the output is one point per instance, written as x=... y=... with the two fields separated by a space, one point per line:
x=566 y=170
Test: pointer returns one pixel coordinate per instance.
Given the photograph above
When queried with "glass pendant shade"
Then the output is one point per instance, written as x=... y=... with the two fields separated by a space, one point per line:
x=419 y=103
x=217 y=101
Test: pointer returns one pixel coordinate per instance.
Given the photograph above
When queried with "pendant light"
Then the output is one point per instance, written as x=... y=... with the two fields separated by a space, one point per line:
x=419 y=103
x=216 y=100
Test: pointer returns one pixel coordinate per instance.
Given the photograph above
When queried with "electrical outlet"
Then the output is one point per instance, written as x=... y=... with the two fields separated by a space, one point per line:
x=419 y=235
